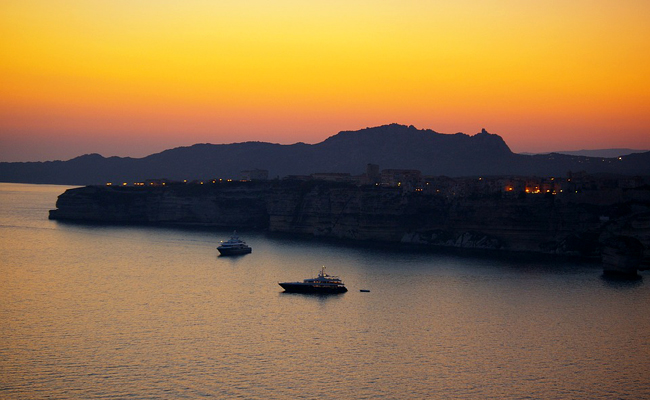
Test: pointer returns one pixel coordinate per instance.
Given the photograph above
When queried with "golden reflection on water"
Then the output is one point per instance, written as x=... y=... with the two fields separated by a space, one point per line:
x=134 y=312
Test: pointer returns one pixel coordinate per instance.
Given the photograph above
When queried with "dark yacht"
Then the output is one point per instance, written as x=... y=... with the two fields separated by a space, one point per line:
x=323 y=284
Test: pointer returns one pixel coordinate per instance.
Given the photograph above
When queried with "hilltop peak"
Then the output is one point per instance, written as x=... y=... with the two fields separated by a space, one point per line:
x=484 y=132
x=88 y=157
x=393 y=128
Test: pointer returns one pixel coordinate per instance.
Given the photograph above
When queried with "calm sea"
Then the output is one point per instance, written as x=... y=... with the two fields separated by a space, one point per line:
x=131 y=312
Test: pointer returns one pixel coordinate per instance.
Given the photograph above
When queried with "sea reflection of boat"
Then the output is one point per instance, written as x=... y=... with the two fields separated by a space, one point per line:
x=323 y=284
x=234 y=246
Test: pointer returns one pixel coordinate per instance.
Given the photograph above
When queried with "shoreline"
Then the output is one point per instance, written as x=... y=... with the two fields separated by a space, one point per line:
x=615 y=223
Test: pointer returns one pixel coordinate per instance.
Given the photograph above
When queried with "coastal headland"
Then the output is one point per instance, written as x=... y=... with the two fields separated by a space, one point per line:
x=595 y=217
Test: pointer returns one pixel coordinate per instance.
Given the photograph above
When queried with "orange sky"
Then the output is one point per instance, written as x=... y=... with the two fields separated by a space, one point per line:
x=131 y=78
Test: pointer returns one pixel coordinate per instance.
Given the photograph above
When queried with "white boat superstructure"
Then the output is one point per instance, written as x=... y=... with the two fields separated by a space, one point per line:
x=234 y=246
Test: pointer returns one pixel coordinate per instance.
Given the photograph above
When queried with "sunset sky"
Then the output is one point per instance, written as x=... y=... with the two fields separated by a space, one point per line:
x=131 y=78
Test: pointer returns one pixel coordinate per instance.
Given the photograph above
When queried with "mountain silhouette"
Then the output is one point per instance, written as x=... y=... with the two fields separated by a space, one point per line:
x=391 y=146
x=601 y=152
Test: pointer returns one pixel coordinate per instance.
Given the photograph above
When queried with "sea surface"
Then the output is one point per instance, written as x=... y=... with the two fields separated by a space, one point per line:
x=134 y=312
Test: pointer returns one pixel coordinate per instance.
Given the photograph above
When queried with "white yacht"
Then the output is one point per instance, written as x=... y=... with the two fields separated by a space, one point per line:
x=234 y=246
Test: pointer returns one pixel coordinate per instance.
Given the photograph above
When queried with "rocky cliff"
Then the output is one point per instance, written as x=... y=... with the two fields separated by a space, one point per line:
x=566 y=224
x=527 y=223
x=232 y=205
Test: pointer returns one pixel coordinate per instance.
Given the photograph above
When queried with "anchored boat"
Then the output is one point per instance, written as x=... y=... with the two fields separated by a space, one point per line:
x=234 y=246
x=323 y=284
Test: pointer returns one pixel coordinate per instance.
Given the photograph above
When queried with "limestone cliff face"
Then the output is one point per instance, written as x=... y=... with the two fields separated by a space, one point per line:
x=563 y=224
x=342 y=212
x=232 y=205
x=536 y=224
x=532 y=223
x=626 y=239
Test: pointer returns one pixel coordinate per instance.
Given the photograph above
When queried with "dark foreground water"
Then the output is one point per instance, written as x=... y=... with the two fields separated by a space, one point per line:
x=91 y=312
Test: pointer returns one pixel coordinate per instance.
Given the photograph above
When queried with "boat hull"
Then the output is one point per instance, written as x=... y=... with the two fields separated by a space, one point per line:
x=298 y=287
x=234 y=252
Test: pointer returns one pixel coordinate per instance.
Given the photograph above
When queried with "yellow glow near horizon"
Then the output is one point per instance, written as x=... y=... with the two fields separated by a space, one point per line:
x=159 y=67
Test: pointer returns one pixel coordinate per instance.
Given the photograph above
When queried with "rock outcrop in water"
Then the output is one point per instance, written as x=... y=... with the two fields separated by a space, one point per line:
x=565 y=224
